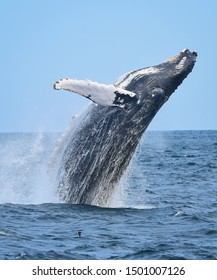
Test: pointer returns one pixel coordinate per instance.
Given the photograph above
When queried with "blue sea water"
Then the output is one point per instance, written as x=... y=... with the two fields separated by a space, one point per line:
x=168 y=210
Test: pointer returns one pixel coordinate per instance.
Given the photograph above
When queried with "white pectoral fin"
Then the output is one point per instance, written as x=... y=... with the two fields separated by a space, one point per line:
x=105 y=95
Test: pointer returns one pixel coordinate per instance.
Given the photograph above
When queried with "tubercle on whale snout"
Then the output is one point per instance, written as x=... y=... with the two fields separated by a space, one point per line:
x=194 y=53
x=188 y=51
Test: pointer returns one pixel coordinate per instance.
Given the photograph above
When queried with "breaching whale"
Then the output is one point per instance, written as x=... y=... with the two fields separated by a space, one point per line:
x=100 y=148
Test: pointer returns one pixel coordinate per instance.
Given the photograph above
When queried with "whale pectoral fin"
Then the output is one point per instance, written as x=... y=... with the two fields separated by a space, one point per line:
x=105 y=95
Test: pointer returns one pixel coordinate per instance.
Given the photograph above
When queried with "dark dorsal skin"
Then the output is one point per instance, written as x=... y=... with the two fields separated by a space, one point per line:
x=100 y=150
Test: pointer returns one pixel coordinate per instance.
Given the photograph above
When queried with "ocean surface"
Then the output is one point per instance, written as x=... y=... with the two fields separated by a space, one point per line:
x=165 y=209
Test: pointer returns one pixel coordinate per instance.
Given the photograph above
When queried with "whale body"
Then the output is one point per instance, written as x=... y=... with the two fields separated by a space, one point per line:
x=99 y=149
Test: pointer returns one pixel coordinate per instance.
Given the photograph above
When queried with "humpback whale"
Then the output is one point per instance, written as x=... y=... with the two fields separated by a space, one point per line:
x=101 y=146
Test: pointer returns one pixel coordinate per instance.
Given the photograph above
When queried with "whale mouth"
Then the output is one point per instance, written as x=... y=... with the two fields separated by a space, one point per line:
x=186 y=51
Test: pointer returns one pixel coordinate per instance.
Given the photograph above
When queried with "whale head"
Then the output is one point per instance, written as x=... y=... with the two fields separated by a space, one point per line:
x=175 y=70
x=159 y=81
x=154 y=85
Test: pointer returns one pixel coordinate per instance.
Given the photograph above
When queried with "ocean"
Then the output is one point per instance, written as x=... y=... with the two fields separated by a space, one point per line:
x=166 y=208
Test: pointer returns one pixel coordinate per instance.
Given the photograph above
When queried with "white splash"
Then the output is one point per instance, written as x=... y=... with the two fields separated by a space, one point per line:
x=62 y=142
x=23 y=165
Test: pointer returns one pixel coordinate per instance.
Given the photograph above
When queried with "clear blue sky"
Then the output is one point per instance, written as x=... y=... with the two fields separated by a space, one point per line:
x=44 y=40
